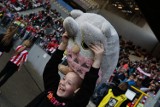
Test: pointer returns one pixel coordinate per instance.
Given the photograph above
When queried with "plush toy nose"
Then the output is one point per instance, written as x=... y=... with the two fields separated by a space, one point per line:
x=76 y=49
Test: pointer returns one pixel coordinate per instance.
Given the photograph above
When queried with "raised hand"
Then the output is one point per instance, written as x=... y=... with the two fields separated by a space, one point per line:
x=98 y=51
x=64 y=42
x=65 y=38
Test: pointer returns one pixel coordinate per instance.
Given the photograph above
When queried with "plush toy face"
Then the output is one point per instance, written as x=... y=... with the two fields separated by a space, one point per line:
x=87 y=28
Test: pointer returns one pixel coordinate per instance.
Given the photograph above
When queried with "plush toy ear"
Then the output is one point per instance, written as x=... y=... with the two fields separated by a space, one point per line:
x=76 y=13
x=91 y=34
x=71 y=26
x=108 y=30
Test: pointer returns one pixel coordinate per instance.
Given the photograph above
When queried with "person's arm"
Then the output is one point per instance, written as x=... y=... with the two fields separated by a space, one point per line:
x=144 y=89
x=20 y=50
x=98 y=51
x=82 y=97
x=24 y=59
x=50 y=75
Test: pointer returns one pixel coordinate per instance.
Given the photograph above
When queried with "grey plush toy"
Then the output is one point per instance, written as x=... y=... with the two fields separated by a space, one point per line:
x=86 y=28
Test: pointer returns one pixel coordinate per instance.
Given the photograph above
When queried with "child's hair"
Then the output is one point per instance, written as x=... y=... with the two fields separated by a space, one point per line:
x=27 y=43
x=133 y=76
x=123 y=86
x=79 y=80
x=9 y=35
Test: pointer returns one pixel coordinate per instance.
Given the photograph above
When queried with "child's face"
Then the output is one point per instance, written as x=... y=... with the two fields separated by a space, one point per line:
x=68 y=85
x=131 y=77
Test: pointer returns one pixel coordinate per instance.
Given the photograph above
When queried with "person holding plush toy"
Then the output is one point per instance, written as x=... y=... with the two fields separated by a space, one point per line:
x=71 y=90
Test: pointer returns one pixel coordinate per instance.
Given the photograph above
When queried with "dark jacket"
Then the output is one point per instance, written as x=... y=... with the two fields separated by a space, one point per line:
x=51 y=80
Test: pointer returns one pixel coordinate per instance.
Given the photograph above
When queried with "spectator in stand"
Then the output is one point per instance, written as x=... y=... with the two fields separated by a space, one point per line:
x=28 y=31
x=146 y=81
x=60 y=29
x=40 y=36
x=15 y=62
x=131 y=80
x=132 y=68
x=119 y=76
x=36 y=36
x=14 y=2
x=47 y=5
x=7 y=19
x=6 y=40
x=157 y=83
x=51 y=47
x=2 y=11
x=151 y=91
x=40 y=17
x=33 y=33
x=137 y=51
x=47 y=20
x=138 y=82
